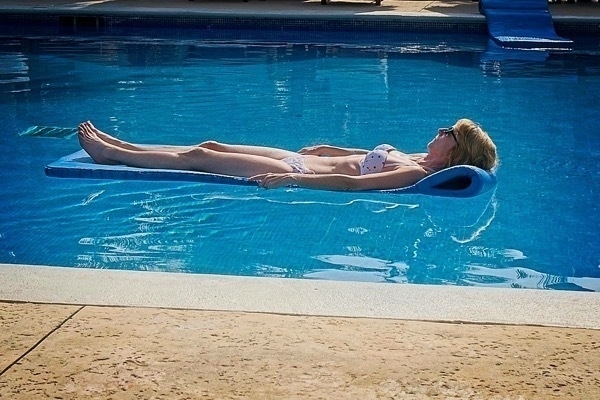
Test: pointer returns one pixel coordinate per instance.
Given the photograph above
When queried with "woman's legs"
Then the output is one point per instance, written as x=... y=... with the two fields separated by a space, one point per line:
x=194 y=159
x=269 y=152
x=127 y=145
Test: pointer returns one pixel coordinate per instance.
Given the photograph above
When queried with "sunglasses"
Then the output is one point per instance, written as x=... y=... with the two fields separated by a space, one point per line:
x=448 y=131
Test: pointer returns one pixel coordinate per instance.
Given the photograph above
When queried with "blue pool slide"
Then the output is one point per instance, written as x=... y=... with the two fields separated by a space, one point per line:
x=457 y=181
x=521 y=24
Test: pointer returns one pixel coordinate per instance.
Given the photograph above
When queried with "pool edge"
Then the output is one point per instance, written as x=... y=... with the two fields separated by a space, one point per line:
x=62 y=285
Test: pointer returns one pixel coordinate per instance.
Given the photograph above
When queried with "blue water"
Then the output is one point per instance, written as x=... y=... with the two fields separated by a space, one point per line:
x=538 y=229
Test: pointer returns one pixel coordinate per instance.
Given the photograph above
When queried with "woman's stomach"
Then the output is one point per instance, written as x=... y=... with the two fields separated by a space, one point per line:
x=347 y=165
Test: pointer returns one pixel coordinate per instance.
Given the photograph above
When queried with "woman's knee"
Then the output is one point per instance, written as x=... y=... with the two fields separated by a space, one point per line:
x=195 y=158
x=195 y=152
x=212 y=145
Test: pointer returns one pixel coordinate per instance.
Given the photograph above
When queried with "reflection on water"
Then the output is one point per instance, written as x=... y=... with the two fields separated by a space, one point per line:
x=211 y=232
x=416 y=266
x=524 y=278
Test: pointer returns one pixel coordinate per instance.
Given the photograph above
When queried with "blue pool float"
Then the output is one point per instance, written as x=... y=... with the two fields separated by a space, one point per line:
x=456 y=181
x=521 y=24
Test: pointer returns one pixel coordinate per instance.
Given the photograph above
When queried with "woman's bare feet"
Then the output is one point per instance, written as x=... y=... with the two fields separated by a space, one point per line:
x=105 y=137
x=93 y=145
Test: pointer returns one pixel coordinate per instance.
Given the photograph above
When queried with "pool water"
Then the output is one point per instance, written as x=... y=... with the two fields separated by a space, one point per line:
x=538 y=229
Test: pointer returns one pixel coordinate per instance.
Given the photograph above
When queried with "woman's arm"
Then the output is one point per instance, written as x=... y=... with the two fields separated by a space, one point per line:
x=398 y=178
x=331 y=151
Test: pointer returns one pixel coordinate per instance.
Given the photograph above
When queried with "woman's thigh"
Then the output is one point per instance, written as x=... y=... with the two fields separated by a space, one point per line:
x=262 y=151
x=230 y=163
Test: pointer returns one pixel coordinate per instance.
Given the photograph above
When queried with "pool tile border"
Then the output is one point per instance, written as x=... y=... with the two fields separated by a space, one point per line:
x=105 y=23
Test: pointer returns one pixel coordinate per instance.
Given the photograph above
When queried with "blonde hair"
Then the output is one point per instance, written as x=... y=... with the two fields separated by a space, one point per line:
x=475 y=147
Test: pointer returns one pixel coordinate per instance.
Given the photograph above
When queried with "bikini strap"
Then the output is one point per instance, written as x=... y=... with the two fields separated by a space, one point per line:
x=385 y=147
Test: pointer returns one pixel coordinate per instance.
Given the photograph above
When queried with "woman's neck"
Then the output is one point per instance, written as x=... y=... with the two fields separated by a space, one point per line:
x=431 y=162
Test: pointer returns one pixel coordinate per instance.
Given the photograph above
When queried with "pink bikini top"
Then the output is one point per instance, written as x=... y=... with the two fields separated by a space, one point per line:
x=374 y=161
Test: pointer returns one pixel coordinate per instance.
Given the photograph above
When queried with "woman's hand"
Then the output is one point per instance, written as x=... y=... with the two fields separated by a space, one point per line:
x=272 y=181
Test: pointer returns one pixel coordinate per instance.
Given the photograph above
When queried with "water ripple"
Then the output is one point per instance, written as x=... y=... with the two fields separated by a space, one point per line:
x=519 y=277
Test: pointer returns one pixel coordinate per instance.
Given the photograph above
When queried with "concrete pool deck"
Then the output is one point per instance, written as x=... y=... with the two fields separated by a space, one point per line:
x=77 y=333
x=81 y=333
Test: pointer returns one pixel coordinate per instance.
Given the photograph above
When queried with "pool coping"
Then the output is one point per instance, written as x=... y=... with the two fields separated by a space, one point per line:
x=480 y=305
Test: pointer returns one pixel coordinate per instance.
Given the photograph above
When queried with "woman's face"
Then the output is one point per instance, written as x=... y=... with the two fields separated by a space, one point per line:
x=443 y=142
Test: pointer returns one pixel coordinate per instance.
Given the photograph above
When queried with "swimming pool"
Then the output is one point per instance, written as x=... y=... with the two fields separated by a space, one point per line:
x=537 y=229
